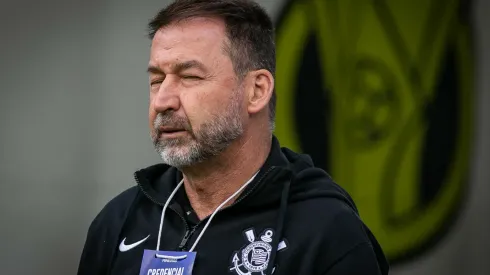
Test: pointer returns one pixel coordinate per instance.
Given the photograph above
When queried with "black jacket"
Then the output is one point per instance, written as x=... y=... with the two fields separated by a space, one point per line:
x=313 y=221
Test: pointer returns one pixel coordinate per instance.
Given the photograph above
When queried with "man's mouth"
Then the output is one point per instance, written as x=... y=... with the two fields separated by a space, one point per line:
x=171 y=131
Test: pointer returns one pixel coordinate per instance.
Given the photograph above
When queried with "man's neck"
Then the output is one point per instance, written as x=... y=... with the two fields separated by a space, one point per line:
x=209 y=184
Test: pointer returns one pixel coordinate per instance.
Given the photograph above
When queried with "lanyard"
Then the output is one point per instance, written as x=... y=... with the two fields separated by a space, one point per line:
x=210 y=218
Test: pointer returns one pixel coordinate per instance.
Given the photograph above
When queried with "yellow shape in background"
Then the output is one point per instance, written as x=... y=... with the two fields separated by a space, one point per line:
x=381 y=60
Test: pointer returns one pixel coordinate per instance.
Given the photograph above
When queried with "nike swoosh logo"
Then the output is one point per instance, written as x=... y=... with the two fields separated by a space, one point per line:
x=124 y=247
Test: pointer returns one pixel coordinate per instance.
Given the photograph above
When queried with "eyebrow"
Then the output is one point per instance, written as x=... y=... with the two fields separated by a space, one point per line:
x=179 y=67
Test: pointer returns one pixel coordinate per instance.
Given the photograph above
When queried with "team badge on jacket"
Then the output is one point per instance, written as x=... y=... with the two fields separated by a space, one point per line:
x=254 y=258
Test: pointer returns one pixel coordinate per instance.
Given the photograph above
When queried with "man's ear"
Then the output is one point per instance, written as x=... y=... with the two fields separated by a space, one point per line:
x=260 y=91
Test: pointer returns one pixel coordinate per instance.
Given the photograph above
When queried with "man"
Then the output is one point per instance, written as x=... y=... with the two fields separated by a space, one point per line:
x=227 y=198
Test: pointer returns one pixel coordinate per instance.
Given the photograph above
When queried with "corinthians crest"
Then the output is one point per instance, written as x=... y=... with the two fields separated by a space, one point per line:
x=254 y=258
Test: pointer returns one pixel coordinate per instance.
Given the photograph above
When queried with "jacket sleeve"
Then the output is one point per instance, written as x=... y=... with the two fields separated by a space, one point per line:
x=360 y=260
x=103 y=234
x=92 y=260
x=351 y=247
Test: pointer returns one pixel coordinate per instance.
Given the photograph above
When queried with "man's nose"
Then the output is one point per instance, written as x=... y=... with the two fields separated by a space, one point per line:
x=167 y=97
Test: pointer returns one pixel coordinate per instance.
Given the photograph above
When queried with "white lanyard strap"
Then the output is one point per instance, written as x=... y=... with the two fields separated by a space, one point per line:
x=165 y=209
x=210 y=218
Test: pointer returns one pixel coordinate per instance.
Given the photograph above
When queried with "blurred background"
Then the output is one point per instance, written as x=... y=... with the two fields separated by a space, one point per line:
x=390 y=97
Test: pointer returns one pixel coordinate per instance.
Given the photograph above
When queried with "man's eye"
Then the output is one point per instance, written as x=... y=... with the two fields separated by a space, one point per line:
x=156 y=82
x=191 y=77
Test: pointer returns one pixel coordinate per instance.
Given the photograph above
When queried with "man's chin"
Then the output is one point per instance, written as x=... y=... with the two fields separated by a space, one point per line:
x=174 y=141
x=177 y=160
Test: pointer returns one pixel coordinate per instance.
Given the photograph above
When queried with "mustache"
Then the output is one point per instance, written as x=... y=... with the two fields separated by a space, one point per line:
x=169 y=119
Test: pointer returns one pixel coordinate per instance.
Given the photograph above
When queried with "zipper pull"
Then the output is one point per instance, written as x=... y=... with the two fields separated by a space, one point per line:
x=185 y=239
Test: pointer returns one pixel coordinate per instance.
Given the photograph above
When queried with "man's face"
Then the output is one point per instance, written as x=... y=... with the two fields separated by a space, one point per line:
x=196 y=103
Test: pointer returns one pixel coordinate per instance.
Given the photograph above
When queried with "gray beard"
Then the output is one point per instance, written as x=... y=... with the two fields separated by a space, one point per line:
x=212 y=138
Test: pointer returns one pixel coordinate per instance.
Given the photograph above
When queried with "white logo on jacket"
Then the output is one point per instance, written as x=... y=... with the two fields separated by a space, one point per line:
x=254 y=258
x=126 y=247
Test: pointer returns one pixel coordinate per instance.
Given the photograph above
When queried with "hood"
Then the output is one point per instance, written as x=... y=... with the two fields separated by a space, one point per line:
x=308 y=182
